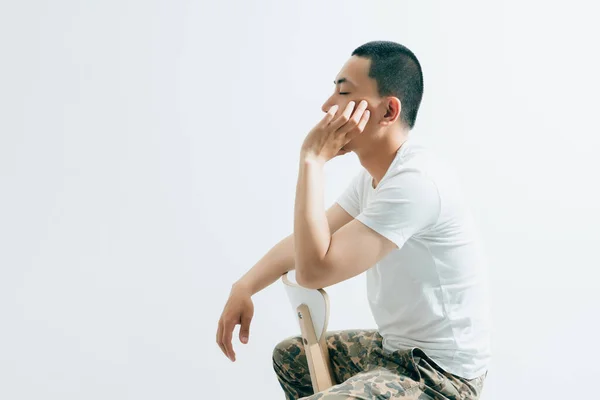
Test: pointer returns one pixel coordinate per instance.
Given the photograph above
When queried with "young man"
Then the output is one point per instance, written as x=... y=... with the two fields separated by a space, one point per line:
x=403 y=221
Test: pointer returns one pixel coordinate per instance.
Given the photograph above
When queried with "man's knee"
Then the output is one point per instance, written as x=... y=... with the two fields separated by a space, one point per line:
x=288 y=350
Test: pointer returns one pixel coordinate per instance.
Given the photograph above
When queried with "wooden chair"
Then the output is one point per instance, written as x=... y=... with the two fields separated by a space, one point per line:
x=311 y=308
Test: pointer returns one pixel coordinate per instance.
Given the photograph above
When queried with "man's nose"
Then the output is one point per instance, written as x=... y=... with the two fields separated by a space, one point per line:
x=327 y=105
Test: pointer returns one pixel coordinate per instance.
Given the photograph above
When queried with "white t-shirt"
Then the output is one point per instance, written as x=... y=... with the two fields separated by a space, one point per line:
x=431 y=292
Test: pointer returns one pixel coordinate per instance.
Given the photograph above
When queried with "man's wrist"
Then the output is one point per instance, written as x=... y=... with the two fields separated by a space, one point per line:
x=307 y=157
x=241 y=286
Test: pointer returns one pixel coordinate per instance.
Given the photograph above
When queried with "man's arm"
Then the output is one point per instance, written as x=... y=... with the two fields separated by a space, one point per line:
x=322 y=258
x=353 y=249
x=281 y=258
x=405 y=204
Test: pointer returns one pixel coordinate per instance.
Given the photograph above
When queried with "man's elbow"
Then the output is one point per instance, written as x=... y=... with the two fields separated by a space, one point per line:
x=307 y=282
x=308 y=279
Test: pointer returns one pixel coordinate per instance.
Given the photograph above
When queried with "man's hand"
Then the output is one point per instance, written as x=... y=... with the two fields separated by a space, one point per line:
x=326 y=139
x=238 y=310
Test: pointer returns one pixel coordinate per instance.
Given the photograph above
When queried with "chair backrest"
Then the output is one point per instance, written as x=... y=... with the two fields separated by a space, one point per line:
x=311 y=307
x=316 y=300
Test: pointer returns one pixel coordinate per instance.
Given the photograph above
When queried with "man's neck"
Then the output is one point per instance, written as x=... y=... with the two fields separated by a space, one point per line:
x=378 y=159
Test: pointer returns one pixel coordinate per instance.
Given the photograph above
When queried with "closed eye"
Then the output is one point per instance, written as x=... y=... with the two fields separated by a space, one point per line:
x=344 y=93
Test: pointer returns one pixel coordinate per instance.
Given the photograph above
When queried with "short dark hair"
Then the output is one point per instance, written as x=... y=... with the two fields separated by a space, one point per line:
x=398 y=73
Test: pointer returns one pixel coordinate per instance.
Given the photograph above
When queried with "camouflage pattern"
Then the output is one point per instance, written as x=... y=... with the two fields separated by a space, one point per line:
x=364 y=371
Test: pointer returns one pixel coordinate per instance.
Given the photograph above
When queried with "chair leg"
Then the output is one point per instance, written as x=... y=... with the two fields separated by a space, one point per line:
x=316 y=352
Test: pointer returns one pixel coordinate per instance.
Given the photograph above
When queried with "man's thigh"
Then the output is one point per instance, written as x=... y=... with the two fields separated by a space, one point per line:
x=349 y=351
x=373 y=384
x=371 y=372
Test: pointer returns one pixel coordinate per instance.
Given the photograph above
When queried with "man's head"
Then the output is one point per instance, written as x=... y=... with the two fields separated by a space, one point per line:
x=387 y=75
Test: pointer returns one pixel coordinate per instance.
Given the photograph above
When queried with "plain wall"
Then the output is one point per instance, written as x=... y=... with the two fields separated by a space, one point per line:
x=149 y=157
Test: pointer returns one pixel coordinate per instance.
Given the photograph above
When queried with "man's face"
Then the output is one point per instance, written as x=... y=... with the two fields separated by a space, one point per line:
x=354 y=84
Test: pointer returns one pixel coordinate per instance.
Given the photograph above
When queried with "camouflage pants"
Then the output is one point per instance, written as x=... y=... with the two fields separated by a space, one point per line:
x=363 y=371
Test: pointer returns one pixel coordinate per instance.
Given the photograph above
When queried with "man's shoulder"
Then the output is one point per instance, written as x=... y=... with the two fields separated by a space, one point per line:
x=423 y=161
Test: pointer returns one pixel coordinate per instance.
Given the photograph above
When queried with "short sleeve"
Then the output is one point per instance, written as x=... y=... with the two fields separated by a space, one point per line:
x=349 y=200
x=403 y=205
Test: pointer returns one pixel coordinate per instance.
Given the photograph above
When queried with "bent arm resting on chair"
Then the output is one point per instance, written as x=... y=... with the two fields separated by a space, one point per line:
x=322 y=258
x=280 y=259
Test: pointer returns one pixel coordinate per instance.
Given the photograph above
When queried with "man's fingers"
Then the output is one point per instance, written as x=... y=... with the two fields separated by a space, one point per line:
x=348 y=121
x=245 y=329
x=345 y=117
x=330 y=114
x=363 y=121
x=227 y=333
x=356 y=127
x=220 y=338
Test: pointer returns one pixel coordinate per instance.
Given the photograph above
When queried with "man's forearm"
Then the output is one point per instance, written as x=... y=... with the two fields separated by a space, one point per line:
x=312 y=236
x=278 y=261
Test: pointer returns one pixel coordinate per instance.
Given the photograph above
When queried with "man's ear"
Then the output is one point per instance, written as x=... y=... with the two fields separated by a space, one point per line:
x=394 y=107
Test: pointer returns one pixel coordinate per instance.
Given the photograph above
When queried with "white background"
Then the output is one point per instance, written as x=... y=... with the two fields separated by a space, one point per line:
x=148 y=158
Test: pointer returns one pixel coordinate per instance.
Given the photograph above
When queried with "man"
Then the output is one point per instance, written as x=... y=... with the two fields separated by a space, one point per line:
x=403 y=221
